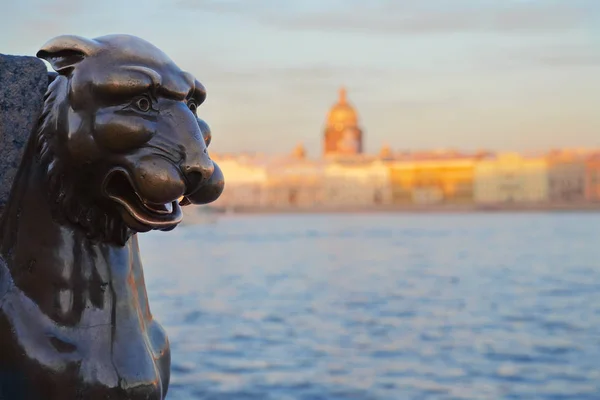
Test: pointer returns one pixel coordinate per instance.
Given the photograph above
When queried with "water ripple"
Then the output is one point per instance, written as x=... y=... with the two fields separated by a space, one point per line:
x=381 y=307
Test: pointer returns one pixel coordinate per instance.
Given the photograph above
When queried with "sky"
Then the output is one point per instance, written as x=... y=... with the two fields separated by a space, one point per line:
x=423 y=74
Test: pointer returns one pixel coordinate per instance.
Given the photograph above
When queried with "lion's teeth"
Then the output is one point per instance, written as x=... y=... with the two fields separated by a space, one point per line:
x=160 y=208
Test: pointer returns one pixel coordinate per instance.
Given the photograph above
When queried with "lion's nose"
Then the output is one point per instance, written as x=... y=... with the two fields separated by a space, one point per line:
x=209 y=191
x=197 y=170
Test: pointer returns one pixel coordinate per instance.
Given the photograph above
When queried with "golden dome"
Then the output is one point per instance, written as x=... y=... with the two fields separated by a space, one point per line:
x=342 y=114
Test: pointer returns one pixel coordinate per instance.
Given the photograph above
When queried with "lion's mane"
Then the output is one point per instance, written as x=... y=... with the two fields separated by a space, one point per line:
x=67 y=188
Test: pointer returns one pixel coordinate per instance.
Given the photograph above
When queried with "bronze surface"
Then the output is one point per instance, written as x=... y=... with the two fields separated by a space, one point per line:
x=118 y=144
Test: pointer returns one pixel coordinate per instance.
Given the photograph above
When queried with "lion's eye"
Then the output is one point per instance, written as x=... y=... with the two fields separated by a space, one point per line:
x=143 y=104
x=192 y=106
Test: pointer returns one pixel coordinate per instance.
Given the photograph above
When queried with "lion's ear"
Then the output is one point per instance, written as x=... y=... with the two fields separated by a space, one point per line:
x=64 y=52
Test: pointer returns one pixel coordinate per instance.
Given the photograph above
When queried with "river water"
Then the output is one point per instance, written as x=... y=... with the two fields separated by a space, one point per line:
x=380 y=306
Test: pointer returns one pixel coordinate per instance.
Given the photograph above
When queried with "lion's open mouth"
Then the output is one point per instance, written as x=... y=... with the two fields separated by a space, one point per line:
x=119 y=188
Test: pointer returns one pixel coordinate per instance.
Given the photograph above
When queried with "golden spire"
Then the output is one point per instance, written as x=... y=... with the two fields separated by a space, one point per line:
x=342 y=93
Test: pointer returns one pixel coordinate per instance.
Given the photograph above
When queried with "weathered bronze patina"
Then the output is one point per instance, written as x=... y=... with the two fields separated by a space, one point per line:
x=117 y=147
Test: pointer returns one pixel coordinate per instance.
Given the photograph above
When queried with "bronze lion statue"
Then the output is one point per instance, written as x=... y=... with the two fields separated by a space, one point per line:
x=118 y=150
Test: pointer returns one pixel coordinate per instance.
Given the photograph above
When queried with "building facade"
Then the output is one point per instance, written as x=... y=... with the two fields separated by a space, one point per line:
x=511 y=178
x=294 y=183
x=566 y=177
x=246 y=180
x=592 y=178
x=362 y=183
x=432 y=180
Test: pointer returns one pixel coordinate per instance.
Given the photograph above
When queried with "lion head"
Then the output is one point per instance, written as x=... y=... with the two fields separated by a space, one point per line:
x=119 y=137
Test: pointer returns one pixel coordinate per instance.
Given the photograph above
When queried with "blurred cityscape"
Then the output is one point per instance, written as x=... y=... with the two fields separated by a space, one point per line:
x=346 y=178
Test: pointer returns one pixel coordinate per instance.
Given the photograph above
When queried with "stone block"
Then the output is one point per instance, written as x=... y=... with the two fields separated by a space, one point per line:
x=23 y=83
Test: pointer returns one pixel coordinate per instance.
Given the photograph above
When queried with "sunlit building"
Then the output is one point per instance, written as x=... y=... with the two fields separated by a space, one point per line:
x=432 y=179
x=566 y=176
x=348 y=178
x=511 y=178
x=386 y=153
x=294 y=182
x=246 y=179
x=592 y=178
x=356 y=184
x=343 y=135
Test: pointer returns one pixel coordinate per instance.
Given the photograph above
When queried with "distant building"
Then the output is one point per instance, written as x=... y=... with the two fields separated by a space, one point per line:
x=511 y=178
x=592 y=178
x=386 y=153
x=299 y=152
x=294 y=183
x=401 y=176
x=356 y=184
x=347 y=178
x=432 y=179
x=566 y=177
x=343 y=136
x=245 y=182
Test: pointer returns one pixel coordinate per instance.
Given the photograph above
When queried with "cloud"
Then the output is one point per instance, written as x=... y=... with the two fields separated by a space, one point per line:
x=300 y=81
x=248 y=8
x=409 y=16
x=62 y=8
x=301 y=72
x=526 y=56
x=562 y=56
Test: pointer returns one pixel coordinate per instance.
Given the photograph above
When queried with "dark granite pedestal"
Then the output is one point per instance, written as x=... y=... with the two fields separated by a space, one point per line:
x=23 y=83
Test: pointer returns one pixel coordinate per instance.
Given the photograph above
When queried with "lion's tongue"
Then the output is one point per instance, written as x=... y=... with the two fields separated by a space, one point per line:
x=160 y=208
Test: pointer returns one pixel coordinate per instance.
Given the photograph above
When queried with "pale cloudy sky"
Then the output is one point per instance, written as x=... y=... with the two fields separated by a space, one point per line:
x=467 y=74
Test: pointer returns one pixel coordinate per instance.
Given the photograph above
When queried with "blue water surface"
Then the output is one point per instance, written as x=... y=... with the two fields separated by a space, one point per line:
x=380 y=306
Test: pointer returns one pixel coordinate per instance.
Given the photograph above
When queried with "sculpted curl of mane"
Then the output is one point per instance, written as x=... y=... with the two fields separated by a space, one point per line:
x=64 y=186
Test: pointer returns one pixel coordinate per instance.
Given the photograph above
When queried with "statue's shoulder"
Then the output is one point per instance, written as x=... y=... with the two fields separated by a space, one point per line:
x=23 y=83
